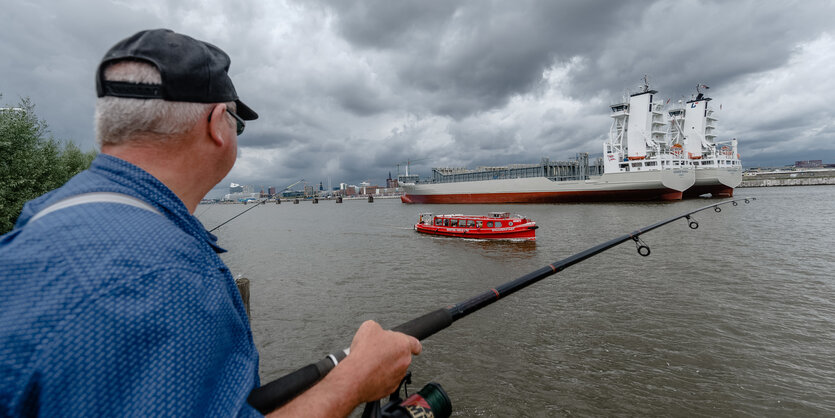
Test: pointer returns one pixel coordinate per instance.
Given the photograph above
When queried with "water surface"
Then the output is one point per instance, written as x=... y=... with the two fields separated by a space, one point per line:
x=736 y=318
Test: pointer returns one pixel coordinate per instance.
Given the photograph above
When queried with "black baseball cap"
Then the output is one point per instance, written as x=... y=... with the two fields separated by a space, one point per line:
x=192 y=70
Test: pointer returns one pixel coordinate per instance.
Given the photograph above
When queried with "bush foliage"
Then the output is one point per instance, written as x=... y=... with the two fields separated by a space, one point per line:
x=31 y=161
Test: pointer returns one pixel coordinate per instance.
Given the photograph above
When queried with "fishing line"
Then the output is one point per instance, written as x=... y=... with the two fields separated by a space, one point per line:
x=230 y=219
x=258 y=203
x=203 y=212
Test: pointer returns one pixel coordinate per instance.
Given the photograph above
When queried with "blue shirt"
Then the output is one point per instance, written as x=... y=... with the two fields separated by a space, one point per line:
x=111 y=310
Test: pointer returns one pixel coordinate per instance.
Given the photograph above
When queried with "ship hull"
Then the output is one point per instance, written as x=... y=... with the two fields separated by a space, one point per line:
x=718 y=182
x=628 y=186
x=525 y=232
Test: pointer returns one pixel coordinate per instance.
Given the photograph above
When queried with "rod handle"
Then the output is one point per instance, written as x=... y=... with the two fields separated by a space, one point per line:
x=426 y=325
x=273 y=395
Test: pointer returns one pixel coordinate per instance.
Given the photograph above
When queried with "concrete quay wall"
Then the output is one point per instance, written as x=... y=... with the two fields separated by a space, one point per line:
x=789 y=178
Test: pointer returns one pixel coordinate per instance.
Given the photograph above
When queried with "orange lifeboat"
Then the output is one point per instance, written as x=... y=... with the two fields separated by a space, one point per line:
x=677 y=150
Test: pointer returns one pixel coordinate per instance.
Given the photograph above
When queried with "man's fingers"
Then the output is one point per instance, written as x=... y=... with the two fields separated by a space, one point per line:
x=416 y=346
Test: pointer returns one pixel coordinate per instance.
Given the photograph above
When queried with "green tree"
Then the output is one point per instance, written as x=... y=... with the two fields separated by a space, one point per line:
x=31 y=161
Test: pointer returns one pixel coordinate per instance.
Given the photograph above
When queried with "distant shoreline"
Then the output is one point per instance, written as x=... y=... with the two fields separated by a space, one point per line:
x=813 y=177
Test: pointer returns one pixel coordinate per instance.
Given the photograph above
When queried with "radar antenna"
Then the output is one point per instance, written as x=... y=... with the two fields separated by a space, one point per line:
x=699 y=88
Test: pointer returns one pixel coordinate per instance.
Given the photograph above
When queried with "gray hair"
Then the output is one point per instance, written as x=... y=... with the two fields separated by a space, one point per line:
x=119 y=120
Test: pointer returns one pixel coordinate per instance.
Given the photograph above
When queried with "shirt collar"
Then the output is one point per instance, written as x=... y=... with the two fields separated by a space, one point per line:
x=139 y=183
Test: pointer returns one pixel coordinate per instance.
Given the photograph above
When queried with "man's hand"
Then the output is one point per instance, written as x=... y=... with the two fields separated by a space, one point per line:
x=379 y=360
x=377 y=363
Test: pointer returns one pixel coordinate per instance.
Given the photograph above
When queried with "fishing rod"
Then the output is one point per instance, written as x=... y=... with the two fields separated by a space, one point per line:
x=260 y=202
x=278 y=392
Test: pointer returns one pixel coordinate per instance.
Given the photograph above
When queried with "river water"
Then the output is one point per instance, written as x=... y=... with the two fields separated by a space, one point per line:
x=735 y=318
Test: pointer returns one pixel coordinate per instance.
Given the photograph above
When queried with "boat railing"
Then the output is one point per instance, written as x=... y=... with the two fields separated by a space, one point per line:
x=426 y=218
x=500 y=215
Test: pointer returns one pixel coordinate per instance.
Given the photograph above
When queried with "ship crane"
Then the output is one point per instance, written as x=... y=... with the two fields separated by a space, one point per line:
x=407 y=178
x=407 y=163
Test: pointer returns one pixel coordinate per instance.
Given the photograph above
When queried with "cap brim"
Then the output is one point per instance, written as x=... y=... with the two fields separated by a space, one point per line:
x=244 y=111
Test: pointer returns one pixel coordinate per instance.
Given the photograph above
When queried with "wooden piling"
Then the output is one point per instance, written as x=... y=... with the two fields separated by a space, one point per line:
x=243 y=288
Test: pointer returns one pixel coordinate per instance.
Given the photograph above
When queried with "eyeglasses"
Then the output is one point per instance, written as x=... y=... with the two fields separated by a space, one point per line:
x=239 y=122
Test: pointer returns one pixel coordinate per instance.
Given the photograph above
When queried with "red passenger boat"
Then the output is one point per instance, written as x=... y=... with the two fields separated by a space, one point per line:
x=496 y=225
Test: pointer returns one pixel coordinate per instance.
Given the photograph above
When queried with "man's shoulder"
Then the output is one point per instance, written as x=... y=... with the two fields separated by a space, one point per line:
x=103 y=235
x=78 y=255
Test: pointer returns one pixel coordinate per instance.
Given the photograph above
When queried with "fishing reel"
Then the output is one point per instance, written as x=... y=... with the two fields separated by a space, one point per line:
x=430 y=401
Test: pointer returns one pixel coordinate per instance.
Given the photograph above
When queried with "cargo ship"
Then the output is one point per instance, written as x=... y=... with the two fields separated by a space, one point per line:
x=650 y=155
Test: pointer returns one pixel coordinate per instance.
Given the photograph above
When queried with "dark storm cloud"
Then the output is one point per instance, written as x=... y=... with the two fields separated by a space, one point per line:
x=349 y=90
x=49 y=53
x=681 y=44
x=360 y=100
x=465 y=57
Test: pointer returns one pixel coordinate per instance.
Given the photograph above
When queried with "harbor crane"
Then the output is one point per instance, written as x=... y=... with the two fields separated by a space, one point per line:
x=407 y=163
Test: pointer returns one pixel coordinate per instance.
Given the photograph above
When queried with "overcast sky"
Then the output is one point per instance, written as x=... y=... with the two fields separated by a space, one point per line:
x=346 y=90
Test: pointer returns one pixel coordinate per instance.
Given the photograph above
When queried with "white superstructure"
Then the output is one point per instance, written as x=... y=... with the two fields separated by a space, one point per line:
x=638 y=137
x=717 y=164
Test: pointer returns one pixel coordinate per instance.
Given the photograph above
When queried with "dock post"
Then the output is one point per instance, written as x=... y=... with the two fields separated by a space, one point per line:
x=370 y=199
x=339 y=199
x=243 y=288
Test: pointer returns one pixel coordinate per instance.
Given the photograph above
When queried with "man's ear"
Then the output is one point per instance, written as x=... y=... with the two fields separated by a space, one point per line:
x=216 y=124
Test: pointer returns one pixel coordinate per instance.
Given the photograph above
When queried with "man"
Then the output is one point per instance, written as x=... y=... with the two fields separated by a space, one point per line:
x=113 y=300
